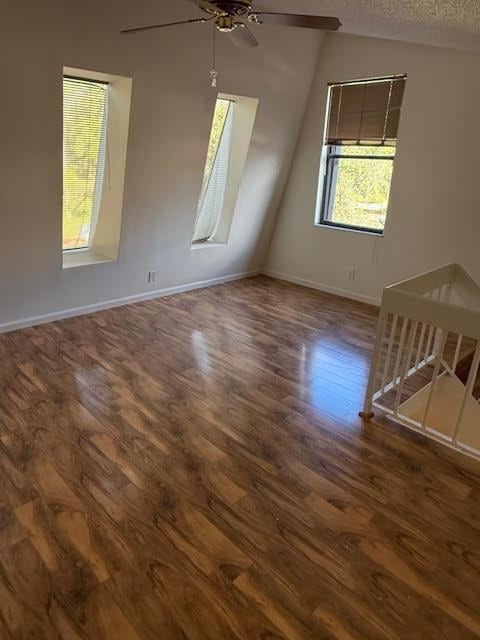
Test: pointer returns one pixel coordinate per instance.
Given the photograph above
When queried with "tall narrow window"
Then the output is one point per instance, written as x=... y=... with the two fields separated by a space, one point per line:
x=215 y=177
x=359 y=152
x=84 y=140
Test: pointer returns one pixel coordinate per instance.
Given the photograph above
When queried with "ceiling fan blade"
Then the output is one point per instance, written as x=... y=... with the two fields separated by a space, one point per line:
x=243 y=37
x=168 y=24
x=295 y=20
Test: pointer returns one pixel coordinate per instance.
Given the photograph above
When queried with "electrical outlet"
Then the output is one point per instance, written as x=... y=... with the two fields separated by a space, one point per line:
x=352 y=274
x=152 y=276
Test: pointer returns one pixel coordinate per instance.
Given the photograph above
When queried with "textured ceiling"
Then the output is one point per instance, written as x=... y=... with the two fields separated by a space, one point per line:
x=450 y=23
x=462 y=14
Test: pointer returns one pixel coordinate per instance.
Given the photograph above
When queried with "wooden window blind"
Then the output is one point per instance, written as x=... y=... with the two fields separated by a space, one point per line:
x=365 y=112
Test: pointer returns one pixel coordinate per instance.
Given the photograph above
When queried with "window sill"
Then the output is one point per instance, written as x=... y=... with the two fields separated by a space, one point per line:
x=83 y=258
x=375 y=234
x=206 y=245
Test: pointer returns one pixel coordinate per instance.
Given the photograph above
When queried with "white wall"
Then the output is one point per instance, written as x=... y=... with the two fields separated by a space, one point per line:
x=171 y=114
x=434 y=213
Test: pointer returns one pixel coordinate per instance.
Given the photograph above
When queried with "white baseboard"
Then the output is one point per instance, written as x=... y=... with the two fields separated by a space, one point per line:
x=343 y=293
x=119 y=302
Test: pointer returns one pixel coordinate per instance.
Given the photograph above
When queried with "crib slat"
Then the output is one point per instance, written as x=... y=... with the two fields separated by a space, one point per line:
x=400 y=350
x=421 y=340
x=429 y=342
x=436 y=371
x=386 y=366
x=457 y=352
x=406 y=366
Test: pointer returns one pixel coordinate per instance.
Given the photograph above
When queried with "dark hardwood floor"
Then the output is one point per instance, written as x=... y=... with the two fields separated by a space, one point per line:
x=194 y=468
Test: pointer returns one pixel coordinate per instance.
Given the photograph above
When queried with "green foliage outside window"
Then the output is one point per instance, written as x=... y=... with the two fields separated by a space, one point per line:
x=362 y=187
x=218 y=124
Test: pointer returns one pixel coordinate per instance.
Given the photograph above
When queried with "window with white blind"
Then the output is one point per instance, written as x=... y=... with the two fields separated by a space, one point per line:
x=96 y=116
x=85 y=114
x=216 y=173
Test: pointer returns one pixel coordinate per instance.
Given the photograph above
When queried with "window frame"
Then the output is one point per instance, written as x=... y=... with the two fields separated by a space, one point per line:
x=329 y=187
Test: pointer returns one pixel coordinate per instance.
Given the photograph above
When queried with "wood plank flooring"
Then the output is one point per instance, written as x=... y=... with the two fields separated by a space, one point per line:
x=193 y=468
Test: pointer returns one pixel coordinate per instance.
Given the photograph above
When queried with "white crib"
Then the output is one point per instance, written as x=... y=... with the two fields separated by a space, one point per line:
x=425 y=367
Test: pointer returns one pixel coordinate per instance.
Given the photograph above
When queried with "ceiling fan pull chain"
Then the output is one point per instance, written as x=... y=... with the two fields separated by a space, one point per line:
x=214 y=72
x=214 y=76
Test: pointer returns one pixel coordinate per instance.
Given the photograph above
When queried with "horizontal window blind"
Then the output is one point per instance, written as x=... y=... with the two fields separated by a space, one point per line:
x=366 y=112
x=215 y=177
x=84 y=142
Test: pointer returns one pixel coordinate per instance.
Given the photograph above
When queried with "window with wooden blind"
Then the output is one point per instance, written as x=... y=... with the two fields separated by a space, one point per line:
x=359 y=151
x=85 y=107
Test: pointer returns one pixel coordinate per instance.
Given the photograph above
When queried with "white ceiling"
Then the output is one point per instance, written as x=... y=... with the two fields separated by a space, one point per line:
x=448 y=23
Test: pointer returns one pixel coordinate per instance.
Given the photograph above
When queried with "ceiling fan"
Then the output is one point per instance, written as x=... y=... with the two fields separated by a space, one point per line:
x=233 y=17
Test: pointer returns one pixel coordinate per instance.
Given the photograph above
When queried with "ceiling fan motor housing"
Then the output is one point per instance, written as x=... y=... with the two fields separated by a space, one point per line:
x=233 y=8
